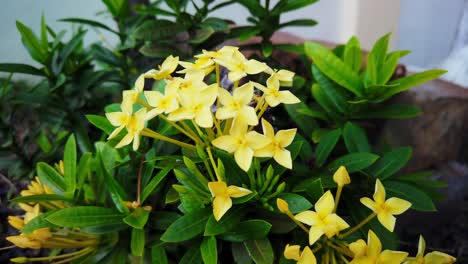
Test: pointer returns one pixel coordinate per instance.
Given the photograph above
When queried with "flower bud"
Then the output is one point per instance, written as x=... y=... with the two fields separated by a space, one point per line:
x=282 y=205
x=341 y=176
x=16 y=222
x=19 y=260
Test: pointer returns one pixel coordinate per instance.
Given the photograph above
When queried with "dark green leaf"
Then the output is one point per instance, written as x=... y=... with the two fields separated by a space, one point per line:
x=187 y=227
x=322 y=99
x=158 y=254
x=299 y=23
x=137 y=219
x=254 y=7
x=101 y=123
x=192 y=256
x=312 y=188
x=137 y=244
x=296 y=202
x=155 y=30
x=89 y=22
x=49 y=176
x=240 y=254
x=83 y=216
x=209 y=251
x=333 y=92
x=390 y=112
x=117 y=8
x=69 y=161
x=260 y=251
x=248 y=230
x=32 y=43
x=305 y=123
x=149 y=188
x=226 y=223
x=267 y=49
x=20 y=68
x=290 y=5
x=390 y=163
x=408 y=82
x=420 y=201
x=353 y=162
x=162 y=220
x=116 y=191
x=355 y=138
x=39 y=198
x=326 y=144
x=201 y=35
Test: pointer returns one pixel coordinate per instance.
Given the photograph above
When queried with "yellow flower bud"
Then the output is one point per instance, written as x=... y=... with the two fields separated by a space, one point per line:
x=24 y=242
x=19 y=260
x=341 y=176
x=282 y=205
x=16 y=222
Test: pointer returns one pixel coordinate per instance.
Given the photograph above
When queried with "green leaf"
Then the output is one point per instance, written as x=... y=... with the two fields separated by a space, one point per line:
x=201 y=35
x=187 y=227
x=311 y=111
x=20 y=68
x=117 y=8
x=156 y=30
x=39 y=198
x=69 y=161
x=260 y=251
x=215 y=23
x=158 y=254
x=240 y=254
x=322 y=99
x=88 y=22
x=192 y=167
x=192 y=256
x=376 y=57
x=335 y=95
x=149 y=188
x=49 y=176
x=38 y=222
x=248 y=230
x=116 y=191
x=67 y=50
x=353 y=162
x=44 y=142
x=137 y=244
x=83 y=216
x=83 y=169
x=312 y=188
x=296 y=202
x=333 y=67
x=420 y=201
x=284 y=6
x=162 y=220
x=388 y=68
x=355 y=138
x=408 y=82
x=101 y=123
x=267 y=49
x=299 y=23
x=390 y=163
x=353 y=54
x=244 y=32
x=254 y=7
x=326 y=144
x=32 y=44
x=305 y=123
x=389 y=112
x=226 y=223
x=209 y=251
x=44 y=41
x=137 y=219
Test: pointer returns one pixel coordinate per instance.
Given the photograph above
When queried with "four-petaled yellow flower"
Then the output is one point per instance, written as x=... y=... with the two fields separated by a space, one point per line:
x=323 y=220
x=204 y=63
x=371 y=253
x=385 y=209
x=222 y=195
x=294 y=252
x=273 y=95
x=168 y=66
x=434 y=257
x=241 y=143
x=134 y=126
x=197 y=106
x=278 y=143
x=239 y=66
x=285 y=77
x=120 y=119
x=237 y=105
x=166 y=103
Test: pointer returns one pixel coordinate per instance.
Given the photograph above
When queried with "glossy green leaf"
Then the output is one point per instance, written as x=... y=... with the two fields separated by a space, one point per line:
x=209 y=250
x=355 y=138
x=69 y=163
x=322 y=99
x=137 y=219
x=299 y=23
x=290 y=5
x=20 y=68
x=155 y=30
x=390 y=163
x=101 y=123
x=394 y=111
x=83 y=216
x=154 y=182
x=192 y=256
x=353 y=162
x=116 y=191
x=38 y=222
x=376 y=58
x=353 y=54
x=39 y=198
x=325 y=146
x=332 y=91
x=137 y=243
x=32 y=43
x=333 y=67
x=88 y=22
x=411 y=81
x=51 y=177
x=240 y=254
x=226 y=223
x=158 y=254
x=296 y=202
x=187 y=226
x=248 y=230
x=260 y=251
x=388 y=68
x=420 y=201
x=304 y=123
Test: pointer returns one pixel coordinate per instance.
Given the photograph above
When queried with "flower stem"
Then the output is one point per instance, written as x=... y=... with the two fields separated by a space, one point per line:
x=213 y=164
x=262 y=110
x=150 y=133
x=140 y=170
x=355 y=228
x=290 y=215
x=337 y=197
x=183 y=131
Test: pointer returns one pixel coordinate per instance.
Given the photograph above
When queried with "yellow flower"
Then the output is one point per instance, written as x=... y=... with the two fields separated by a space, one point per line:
x=166 y=103
x=168 y=66
x=205 y=64
x=237 y=105
x=134 y=126
x=341 y=176
x=239 y=66
x=23 y=241
x=120 y=119
x=294 y=252
x=197 y=106
x=273 y=96
x=32 y=213
x=192 y=82
x=225 y=53
x=434 y=257
x=222 y=195
x=385 y=209
x=241 y=143
x=323 y=220
x=278 y=143
x=16 y=222
x=284 y=77
x=139 y=84
x=372 y=252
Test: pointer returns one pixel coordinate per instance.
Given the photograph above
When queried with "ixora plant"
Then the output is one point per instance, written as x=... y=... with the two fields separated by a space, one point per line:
x=211 y=180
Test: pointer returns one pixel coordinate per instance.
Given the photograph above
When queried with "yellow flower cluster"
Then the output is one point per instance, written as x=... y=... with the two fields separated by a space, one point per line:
x=208 y=114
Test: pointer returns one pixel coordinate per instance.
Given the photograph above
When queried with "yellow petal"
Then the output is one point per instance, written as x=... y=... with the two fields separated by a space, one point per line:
x=153 y=98
x=341 y=176
x=254 y=67
x=358 y=248
x=117 y=118
x=136 y=142
x=204 y=118
x=225 y=98
x=315 y=233
x=307 y=257
x=374 y=247
x=217 y=188
x=286 y=97
x=238 y=128
x=268 y=129
x=397 y=206
x=243 y=156
x=282 y=205
x=248 y=115
x=115 y=132
x=16 y=222
x=292 y=252
x=387 y=220
x=256 y=140
x=152 y=113
x=140 y=83
x=265 y=152
x=181 y=114
x=226 y=143
x=421 y=246
x=24 y=242
x=369 y=203
x=235 y=76
x=225 y=112
x=307 y=217
x=272 y=101
x=285 y=137
x=283 y=157
x=379 y=194
x=392 y=257
x=338 y=221
x=437 y=257
x=259 y=86
x=273 y=83
x=221 y=205
x=237 y=192
x=243 y=95
x=325 y=205
x=125 y=141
